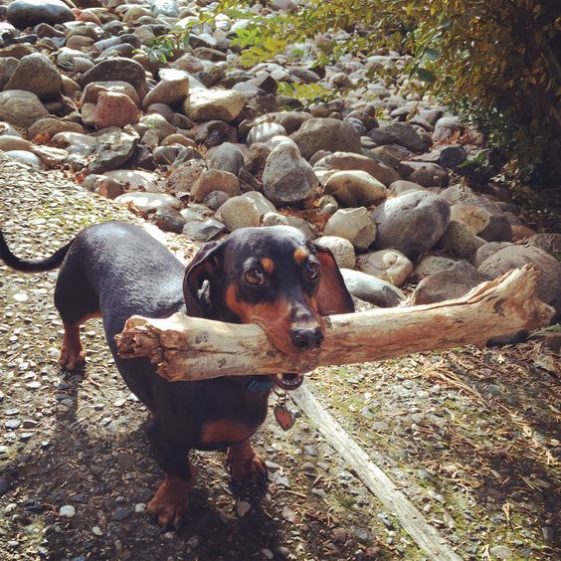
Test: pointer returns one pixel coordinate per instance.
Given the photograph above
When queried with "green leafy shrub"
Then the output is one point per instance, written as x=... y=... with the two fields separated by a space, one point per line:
x=306 y=93
x=163 y=48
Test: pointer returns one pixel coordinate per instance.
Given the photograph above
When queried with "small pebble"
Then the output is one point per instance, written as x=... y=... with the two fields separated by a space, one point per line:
x=501 y=552
x=121 y=513
x=243 y=508
x=67 y=511
x=385 y=520
x=282 y=551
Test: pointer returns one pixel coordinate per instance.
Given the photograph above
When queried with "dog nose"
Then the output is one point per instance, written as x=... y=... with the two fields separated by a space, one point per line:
x=306 y=338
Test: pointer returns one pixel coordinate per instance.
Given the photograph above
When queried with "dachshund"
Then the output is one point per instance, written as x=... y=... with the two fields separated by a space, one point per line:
x=271 y=276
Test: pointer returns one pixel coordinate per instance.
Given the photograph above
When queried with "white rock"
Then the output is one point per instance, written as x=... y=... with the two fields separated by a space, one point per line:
x=342 y=250
x=263 y=132
x=387 y=264
x=206 y=105
x=261 y=202
x=239 y=212
x=25 y=157
x=148 y=202
x=274 y=219
x=353 y=224
x=355 y=188
x=136 y=179
x=278 y=139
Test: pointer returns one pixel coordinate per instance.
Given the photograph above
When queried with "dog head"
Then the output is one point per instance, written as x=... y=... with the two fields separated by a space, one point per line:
x=271 y=276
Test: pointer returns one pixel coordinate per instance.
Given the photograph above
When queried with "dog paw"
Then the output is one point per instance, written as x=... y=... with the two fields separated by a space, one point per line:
x=72 y=359
x=246 y=468
x=170 y=504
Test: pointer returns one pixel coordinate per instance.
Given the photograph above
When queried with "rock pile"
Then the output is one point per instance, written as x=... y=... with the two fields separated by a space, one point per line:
x=203 y=147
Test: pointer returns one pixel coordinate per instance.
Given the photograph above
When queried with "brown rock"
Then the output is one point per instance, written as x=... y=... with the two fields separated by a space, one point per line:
x=114 y=110
x=521 y=232
x=427 y=174
x=109 y=188
x=93 y=89
x=215 y=180
x=51 y=125
x=349 y=161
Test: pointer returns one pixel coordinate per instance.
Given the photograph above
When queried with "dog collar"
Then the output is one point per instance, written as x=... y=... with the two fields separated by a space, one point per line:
x=260 y=384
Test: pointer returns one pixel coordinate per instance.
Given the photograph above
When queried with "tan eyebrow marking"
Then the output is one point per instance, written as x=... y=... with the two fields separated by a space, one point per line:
x=300 y=255
x=268 y=265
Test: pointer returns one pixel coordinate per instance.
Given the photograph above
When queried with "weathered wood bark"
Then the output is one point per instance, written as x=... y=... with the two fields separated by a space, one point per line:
x=185 y=348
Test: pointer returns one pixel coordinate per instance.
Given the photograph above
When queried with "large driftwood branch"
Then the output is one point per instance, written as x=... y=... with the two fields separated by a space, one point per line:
x=185 y=348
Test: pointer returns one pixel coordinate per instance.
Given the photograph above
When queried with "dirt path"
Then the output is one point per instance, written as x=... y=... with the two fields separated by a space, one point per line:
x=473 y=438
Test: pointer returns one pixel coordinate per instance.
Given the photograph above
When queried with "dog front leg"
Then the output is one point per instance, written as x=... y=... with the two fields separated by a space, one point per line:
x=170 y=504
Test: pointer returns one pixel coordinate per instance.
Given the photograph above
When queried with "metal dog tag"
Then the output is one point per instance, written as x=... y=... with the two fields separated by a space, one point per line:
x=284 y=417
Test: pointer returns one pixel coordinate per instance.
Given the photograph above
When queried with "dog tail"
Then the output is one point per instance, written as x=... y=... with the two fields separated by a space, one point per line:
x=34 y=266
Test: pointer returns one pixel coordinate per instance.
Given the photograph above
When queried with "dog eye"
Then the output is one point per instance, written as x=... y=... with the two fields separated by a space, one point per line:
x=311 y=271
x=254 y=276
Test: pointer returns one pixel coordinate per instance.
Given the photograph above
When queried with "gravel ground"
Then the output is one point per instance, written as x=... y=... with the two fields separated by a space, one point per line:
x=473 y=438
x=74 y=445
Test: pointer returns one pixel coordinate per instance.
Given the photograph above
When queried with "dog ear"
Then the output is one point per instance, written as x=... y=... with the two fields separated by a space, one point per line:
x=332 y=296
x=204 y=269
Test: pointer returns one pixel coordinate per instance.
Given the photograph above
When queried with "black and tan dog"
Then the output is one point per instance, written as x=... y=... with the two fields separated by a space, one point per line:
x=270 y=276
